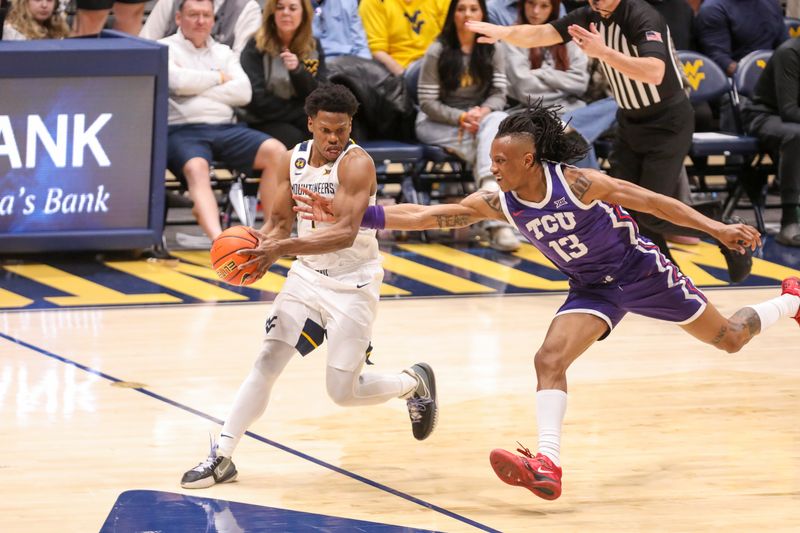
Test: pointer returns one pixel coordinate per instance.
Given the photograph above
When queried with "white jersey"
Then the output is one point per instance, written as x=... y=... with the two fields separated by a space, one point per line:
x=325 y=181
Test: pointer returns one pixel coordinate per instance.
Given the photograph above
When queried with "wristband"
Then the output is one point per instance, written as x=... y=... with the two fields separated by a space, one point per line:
x=374 y=217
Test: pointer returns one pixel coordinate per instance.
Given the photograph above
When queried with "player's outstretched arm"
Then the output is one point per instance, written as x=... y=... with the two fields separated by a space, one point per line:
x=357 y=182
x=481 y=205
x=523 y=35
x=589 y=185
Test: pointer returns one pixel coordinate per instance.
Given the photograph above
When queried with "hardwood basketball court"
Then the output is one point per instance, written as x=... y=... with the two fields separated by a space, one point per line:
x=661 y=433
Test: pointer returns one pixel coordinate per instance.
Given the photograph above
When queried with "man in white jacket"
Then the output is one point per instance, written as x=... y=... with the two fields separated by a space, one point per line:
x=235 y=21
x=206 y=82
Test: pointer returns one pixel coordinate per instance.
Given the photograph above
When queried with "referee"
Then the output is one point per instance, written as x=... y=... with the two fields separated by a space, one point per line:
x=655 y=118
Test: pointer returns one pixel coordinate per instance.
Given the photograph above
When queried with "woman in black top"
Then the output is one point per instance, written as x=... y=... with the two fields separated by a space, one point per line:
x=284 y=63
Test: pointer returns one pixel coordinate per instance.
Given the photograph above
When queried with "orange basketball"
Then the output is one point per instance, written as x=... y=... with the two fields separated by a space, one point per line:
x=224 y=259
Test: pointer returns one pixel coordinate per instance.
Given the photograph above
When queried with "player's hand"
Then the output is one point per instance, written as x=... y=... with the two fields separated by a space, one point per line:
x=488 y=33
x=264 y=255
x=590 y=41
x=739 y=237
x=290 y=60
x=314 y=206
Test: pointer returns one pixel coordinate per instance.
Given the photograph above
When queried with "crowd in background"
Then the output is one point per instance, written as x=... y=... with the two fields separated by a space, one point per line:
x=250 y=65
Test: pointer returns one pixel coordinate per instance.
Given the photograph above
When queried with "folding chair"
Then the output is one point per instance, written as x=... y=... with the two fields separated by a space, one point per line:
x=407 y=156
x=707 y=82
x=744 y=83
x=792 y=26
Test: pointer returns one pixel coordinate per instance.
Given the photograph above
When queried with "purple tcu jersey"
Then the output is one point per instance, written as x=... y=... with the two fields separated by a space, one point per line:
x=588 y=243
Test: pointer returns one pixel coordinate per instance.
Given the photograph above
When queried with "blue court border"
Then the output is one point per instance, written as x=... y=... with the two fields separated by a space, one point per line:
x=258 y=437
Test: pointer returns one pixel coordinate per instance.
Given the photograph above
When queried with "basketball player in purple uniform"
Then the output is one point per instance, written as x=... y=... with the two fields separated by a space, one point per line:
x=577 y=218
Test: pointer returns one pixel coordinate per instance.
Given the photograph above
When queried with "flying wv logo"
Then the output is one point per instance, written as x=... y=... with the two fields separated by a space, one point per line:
x=416 y=23
x=693 y=72
x=271 y=323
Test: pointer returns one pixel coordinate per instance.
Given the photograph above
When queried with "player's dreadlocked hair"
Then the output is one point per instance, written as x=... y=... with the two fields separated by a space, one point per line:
x=543 y=126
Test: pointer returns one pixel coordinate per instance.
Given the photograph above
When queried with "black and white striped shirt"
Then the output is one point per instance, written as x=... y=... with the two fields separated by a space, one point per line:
x=637 y=30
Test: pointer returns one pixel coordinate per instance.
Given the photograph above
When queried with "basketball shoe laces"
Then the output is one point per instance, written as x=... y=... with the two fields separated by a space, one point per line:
x=417 y=405
x=525 y=451
x=212 y=457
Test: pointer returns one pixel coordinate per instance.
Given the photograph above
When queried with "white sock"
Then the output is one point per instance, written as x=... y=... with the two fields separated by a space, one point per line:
x=551 y=405
x=253 y=396
x=771 y=311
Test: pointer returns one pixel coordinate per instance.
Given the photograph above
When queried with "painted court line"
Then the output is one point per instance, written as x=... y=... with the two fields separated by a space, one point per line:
x=265 y=440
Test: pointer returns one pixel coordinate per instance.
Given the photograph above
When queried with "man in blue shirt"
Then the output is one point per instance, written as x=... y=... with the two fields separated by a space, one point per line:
x=728 y=30
x=337 y=25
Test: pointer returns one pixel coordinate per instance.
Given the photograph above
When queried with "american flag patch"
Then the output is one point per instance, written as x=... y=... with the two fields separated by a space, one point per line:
x=653 y=36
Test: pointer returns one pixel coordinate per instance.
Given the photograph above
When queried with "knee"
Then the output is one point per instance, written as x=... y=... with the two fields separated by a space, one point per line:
x=269 y=154
x=339 y=385
x=549 y=362
x=492 y=121
x=197 y=171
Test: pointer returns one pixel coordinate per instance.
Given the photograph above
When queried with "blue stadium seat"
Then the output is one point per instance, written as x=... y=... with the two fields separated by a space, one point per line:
x=792 y=26
x=744 y=82
x=750 y=68
x=405 y=155
x=707 y=82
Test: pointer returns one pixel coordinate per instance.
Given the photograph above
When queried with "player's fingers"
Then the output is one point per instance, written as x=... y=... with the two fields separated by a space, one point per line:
x=302 y=209
x=302 y=199
x=254 y=232
x=248 y=264
x=249 y=252
x=486 y=40
x=311 y=194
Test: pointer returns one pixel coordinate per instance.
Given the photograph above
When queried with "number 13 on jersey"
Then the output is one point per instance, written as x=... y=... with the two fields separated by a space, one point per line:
x=569 y=248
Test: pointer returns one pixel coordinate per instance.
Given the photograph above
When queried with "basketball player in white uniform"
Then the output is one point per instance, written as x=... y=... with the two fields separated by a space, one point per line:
x=331 y=291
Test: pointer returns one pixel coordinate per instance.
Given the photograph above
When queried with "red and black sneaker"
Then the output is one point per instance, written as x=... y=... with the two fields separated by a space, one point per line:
x=537 y=473
x=792 y=286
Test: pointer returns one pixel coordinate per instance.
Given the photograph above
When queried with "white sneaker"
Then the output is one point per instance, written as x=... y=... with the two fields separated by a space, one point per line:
x=193 y=242
x=503 y=239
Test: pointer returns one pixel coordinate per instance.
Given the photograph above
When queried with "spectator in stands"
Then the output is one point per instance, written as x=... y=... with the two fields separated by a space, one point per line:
x=34 y=19
x=462 y=91
x=506 y=12
x=774 y=117
x=728 y=30
x=558 y=74
x=572 y=5
x=792 y=8
x=92 y=14
x=503 y=12
x=695 y=5
x=680 y=21
x=235 y=21
x=400 y=31
x=338 y=27
x=205 y=83
x=284 y=63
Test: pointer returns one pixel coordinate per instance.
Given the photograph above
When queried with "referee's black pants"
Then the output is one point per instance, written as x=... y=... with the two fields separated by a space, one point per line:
x=649 y=150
